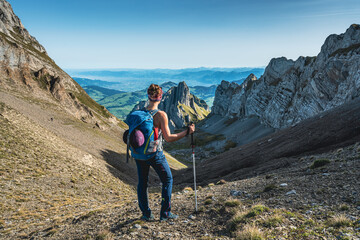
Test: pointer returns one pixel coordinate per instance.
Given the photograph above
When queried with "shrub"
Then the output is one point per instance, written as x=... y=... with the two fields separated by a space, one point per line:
x=319 y=163
x=208 y=201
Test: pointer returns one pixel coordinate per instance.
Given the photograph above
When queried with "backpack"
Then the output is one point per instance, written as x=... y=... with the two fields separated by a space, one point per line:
x=142 y=138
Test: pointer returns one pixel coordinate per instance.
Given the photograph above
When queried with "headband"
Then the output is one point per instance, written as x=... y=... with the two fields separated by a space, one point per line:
x=157 y=98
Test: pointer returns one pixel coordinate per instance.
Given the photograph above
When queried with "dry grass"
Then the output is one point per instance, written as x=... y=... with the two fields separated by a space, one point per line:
x=249 y=232
x=104 y=235
x=221 y=182
x=270 y=187
x=339 y=221
x=237 y=219
x=272 y=221
x=188 y=189
x=319 y=163
x=229 y=144
x=256 y=210
x=232 y=203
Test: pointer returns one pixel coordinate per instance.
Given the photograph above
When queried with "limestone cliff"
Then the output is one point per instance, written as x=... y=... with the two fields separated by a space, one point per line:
x=291 y=91
x=181 y=106
x=25 y=67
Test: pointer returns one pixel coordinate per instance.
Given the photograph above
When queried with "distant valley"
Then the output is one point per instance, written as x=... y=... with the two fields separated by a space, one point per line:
x=120 y=103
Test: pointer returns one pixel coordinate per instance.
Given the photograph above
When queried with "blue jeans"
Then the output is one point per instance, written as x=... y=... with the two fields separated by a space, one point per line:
x=161 y=167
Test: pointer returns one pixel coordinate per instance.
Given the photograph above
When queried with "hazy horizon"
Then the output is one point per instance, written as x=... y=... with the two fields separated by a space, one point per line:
x=135 y=69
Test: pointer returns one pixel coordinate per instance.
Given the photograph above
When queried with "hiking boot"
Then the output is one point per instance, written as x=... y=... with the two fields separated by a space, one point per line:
x=150 y=218
x=170 y=216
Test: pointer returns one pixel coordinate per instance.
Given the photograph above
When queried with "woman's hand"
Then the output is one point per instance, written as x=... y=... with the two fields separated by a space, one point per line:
x=191 y=128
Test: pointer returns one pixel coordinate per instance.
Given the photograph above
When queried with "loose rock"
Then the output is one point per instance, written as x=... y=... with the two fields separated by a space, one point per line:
x=291 y=192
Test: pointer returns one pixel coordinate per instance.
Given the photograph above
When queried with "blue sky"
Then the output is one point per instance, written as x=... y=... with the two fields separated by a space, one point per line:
x=91 y=34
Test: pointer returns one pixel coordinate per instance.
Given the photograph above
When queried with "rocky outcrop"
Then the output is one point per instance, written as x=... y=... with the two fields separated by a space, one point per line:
x=291 y=91
x=181 y=106
x=25 y=67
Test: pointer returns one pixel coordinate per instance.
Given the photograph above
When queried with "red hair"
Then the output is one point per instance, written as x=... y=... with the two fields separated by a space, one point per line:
x=155 y=92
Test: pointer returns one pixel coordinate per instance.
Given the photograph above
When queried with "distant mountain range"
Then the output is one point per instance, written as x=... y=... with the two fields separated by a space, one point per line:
x=131 y=79
x=120 y=103
x=120 y=90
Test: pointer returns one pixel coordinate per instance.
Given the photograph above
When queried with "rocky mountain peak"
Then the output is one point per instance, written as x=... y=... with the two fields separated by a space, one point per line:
x=335 y=43
x=251 y=77
x=228 y=94
x=291 y=91
x=249 y=82
x=11 y=26
x=181 y=106
x=277 y=68
x=177 y=95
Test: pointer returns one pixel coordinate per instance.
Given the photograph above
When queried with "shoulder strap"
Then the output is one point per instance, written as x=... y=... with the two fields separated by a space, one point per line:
x=153 y=112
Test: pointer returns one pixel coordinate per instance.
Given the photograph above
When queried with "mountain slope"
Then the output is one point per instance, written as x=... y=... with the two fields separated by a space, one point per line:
x=332 y=129
x=26 y=68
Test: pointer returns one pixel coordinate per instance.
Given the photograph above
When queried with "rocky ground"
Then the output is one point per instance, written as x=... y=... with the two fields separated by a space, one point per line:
x=315 y=198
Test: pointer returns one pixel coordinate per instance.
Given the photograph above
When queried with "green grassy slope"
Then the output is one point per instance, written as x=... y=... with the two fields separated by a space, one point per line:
x=122 y=103
x=97 y=93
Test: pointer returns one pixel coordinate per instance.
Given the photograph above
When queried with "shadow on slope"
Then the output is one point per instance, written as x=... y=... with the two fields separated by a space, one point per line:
x=329 y=130
x=118 y=167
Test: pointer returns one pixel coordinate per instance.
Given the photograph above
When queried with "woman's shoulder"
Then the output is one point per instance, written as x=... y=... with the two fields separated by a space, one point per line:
x=161 y=114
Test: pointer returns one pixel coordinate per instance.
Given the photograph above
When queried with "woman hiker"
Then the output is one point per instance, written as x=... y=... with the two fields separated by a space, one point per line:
x=159 y=162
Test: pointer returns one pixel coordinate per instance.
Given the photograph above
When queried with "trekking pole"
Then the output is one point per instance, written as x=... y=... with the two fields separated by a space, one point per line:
x=193 y=158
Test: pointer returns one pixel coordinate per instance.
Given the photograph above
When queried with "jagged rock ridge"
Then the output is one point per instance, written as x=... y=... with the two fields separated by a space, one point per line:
x=291 y=91
x=26 y=67
x=181 y=106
